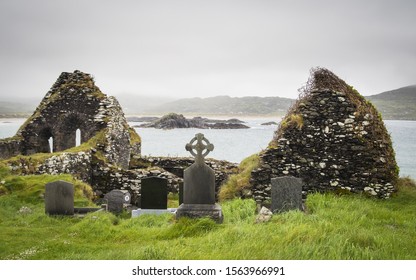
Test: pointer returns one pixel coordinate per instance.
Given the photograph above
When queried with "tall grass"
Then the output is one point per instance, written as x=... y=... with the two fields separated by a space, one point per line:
x=237 y=183
x=333 y=227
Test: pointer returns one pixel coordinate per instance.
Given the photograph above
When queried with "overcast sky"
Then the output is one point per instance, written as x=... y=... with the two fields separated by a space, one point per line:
x=205 y=48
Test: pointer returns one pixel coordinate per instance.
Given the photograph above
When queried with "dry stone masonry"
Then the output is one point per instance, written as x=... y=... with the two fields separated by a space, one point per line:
x=74 y=103
x=109 y=157
x=331 y=138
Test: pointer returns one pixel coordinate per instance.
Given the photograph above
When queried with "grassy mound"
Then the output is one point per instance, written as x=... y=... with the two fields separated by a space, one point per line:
x=240 y=182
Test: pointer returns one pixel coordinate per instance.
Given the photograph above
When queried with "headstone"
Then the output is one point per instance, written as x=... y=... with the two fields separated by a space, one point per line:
x=59 y=198
x=116 y=199
x=180 y=193
x=286 y=194
x=199 y=184
x=154 y=193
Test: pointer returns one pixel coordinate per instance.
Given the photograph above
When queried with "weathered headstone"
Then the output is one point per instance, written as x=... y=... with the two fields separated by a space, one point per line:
x=199 y=184
x=180 y=193
x=116 y=199
x=59 y=198
x=286 y=194
x=154 y=193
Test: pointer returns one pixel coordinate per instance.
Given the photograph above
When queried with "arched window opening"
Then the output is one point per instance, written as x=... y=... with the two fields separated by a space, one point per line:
x=77 y=137
x=50 y=140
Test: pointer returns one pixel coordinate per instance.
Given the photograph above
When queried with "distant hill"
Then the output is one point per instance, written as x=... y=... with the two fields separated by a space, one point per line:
x=223 y=105
x=16 y=109
x=398 y=104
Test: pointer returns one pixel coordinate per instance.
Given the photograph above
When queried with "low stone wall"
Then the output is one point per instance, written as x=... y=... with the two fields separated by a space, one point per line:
x=9 y=147
x=223 y=169
x=104 y=177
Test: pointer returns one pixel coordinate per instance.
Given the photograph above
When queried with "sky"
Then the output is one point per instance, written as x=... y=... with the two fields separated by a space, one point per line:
x=192 y=48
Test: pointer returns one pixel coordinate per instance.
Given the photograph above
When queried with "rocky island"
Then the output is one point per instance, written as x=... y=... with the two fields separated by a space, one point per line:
x=172 y=120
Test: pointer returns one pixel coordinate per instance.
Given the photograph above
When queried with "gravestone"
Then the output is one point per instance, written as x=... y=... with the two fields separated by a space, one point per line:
x=59 y=198
x=154 y=193
x=180 y=193
x=116 y=199
x=199 y=184
x=286 y=194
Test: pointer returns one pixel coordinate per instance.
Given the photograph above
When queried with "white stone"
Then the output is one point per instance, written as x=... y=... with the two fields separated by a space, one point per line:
x=348 y=121
x=370 y=191
x=340 y=124
x=264 y=215
x=326 y=129
x=342 y=99
x=366 y=123
x=322 y=165
x=334 y=183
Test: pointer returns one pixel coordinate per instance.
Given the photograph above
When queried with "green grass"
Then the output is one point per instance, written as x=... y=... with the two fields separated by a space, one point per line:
x=333 y=227
x=238 y=183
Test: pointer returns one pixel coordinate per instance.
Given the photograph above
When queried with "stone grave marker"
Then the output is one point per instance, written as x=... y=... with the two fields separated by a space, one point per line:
x=180 y=193
x=116 y=199
x=199 y=184
x=59 y=198
x=154 y=193
x=286 y=194
x=154 y=197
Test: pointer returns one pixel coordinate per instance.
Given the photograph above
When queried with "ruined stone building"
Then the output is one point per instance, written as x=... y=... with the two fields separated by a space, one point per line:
x=73 y=104
x=333 y=139
x=108 y=154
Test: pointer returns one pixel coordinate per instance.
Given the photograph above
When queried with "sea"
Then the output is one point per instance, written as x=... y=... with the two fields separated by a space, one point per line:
x=236 y=144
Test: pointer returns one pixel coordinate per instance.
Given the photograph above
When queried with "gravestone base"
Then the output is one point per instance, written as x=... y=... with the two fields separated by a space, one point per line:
x=212 y=211
x=139 y=212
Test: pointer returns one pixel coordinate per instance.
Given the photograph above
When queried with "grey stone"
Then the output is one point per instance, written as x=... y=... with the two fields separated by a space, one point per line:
x=154 y=193
x=180 y=193
x=116 y=199
x=199 y=184
x=264 y=215
x=286 y=194
x=59 y=198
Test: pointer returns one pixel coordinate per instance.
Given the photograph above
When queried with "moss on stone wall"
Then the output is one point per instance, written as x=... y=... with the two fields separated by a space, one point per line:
x=238 y=185
x=332 y=138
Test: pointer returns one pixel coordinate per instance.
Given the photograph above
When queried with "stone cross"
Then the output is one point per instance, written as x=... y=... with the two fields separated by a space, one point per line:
x=199 y=147
x=199 y=184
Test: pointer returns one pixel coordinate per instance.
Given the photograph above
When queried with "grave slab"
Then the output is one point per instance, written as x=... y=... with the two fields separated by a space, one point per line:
x=154 y=193
x=59 y=198
x=286 y=194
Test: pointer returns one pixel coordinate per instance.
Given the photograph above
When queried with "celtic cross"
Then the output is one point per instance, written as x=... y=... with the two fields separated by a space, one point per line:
x=199 y=147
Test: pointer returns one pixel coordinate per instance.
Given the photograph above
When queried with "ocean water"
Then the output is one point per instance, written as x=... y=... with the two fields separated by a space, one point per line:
x=236 y=144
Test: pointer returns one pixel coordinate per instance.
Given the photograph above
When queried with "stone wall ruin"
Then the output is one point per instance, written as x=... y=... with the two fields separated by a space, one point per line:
x=109 y=156
x=333 y=139
x=73 y=103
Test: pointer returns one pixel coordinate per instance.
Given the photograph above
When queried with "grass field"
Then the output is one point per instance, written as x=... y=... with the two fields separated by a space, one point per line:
x=333 y=227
